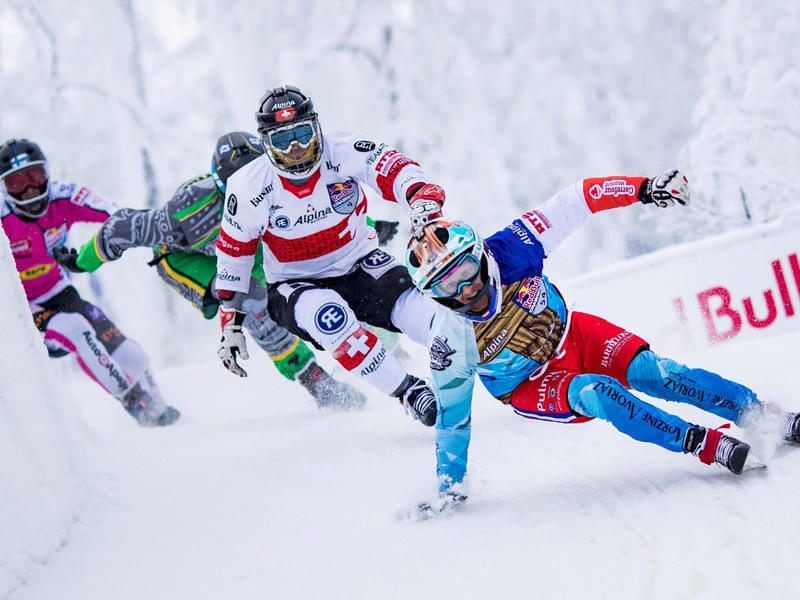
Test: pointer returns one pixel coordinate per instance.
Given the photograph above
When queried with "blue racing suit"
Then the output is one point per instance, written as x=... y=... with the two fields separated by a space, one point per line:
x=527 y=333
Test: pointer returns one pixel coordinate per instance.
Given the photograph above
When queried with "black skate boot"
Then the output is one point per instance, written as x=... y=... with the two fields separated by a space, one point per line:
x=711 y=446
x=328 y=392
x=791 y=429
x=418 y=399
x=147 y=412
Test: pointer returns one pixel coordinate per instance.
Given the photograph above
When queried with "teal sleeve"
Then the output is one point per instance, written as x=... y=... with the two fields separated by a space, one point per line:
x=453 y=430
x=453 y=363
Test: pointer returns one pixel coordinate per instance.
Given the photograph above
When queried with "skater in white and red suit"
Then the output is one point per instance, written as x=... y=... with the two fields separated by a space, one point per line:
x=304 y=201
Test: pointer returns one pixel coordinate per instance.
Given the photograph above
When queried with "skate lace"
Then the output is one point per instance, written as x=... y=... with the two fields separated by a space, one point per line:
x=791 y=428
x=724 y=448
x=422 y=401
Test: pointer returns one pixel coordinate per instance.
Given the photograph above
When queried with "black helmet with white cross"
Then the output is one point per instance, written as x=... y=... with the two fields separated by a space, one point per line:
x=290 y=131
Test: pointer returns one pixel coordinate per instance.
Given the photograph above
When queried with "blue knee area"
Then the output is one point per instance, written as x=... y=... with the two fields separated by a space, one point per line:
x=584 y=398
x=608 y=399
x=664 y=378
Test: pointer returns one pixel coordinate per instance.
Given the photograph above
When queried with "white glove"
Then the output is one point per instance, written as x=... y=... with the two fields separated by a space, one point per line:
x=666 y=189
x=232 y=344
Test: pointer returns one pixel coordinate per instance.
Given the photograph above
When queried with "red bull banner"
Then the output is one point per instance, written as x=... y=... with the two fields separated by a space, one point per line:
x=731 y=287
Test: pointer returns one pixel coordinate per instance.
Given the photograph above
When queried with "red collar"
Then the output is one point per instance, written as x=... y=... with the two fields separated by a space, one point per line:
x=301 y=191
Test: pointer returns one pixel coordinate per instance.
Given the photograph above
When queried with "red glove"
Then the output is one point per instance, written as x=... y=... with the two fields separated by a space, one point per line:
x=426 y=205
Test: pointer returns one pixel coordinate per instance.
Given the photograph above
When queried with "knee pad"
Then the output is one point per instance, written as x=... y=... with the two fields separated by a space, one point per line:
x=325 y=316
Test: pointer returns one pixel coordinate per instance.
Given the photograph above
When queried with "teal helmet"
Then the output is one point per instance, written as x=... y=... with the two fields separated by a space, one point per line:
x=449 y=255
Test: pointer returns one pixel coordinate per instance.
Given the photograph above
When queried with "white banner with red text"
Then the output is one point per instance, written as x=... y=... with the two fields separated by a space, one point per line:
x=734 y=286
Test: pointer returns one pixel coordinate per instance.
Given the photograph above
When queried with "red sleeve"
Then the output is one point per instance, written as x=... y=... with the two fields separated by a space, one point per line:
x=603 y=193
x=388 y=168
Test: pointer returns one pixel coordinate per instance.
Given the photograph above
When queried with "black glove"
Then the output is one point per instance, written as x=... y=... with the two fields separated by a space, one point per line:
x=667 y=189
x=67 y=258
x=386 y=231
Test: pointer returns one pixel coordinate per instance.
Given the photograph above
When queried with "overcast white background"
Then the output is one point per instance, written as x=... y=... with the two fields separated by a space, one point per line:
x=256 y=493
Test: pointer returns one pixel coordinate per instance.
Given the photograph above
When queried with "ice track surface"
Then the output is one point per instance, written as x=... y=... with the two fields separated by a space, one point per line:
x=258 y=494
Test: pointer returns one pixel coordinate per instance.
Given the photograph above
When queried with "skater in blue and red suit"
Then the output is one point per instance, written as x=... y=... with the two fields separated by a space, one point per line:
x=502 y=318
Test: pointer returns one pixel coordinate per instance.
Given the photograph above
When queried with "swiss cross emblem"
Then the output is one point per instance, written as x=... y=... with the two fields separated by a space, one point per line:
x=285 y=114
x=355 y=348
x=358 y=345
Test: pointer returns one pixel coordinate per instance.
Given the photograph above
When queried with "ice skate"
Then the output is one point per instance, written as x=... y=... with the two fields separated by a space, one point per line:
x=712 y=446
x=146 y=410
x=328 y=392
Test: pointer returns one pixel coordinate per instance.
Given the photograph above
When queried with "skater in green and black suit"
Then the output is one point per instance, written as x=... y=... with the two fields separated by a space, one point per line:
x=183 y=234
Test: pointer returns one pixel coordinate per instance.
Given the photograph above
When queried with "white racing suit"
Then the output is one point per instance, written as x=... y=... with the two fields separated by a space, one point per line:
x=321 y=255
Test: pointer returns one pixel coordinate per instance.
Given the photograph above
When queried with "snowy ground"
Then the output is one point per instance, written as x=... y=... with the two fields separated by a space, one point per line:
x=257 y=494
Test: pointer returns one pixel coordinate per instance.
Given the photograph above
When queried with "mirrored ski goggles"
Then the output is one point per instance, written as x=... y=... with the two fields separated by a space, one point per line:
x=19 y=181
x=464 y=271
x=282 y=138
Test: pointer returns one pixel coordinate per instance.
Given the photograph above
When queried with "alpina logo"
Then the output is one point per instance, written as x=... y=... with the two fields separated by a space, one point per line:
x=495 y=344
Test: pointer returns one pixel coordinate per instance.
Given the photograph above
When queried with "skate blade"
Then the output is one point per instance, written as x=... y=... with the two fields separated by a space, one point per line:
x=434 y=509
x=753 y=463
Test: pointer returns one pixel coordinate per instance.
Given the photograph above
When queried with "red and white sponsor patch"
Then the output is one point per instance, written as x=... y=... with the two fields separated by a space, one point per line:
x=612 y=187
x=387 y=161
x=355 y=348
x=21 y=246
x=55 y=236
x=233 y=247
x=388 y=168
x=285 y=114
x=82 y=196
x=537 y=220
x=603 y=193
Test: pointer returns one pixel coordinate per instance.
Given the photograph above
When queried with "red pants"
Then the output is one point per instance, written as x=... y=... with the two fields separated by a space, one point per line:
x=593 y=345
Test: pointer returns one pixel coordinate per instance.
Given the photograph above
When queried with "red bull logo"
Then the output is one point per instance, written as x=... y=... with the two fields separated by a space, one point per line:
x=532 y=295
x=56 y=236
x=344 y=196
